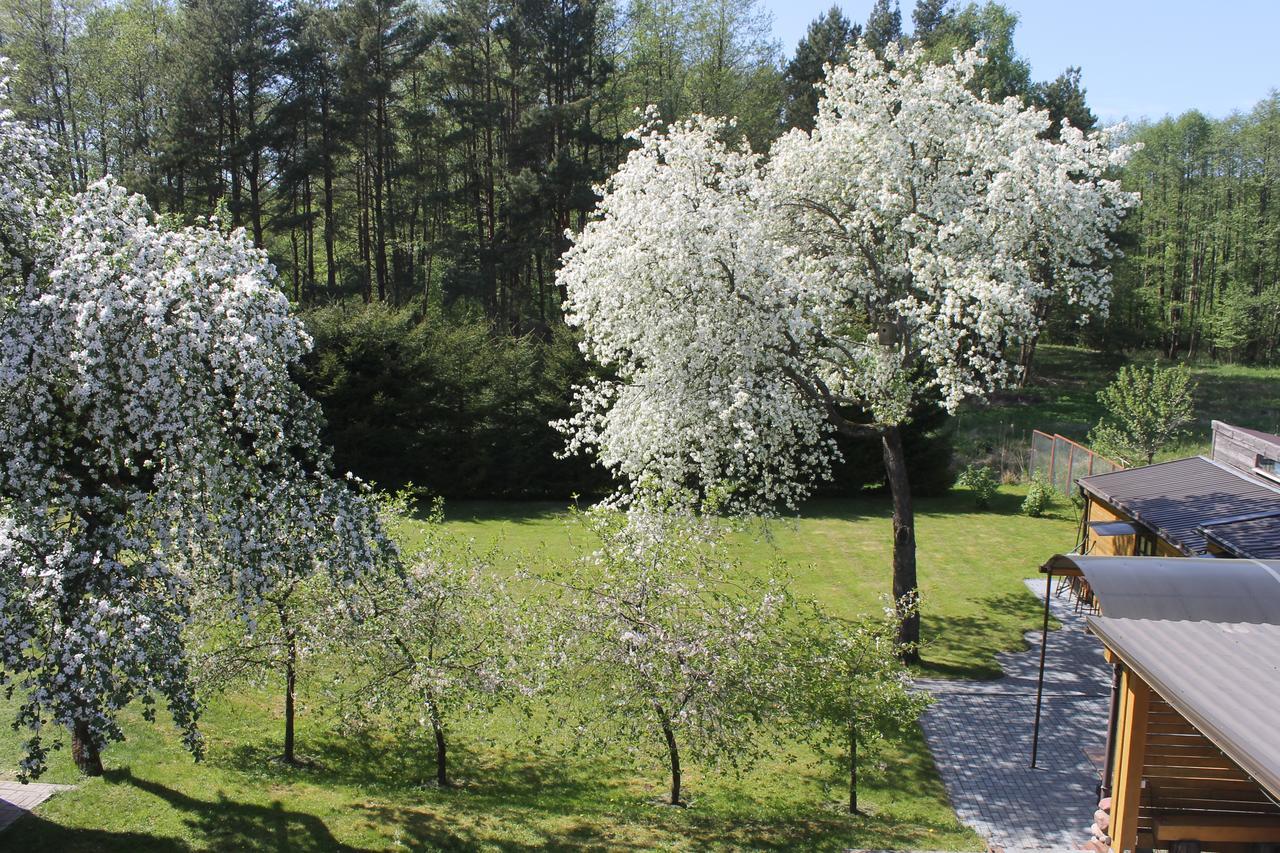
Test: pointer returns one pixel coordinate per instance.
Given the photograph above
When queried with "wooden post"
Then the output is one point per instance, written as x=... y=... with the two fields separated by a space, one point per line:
x=1126 y=790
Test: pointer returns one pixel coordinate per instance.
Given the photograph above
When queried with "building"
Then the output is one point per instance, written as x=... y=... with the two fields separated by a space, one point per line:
x=1180 y=564
x=1224 y=504
x=1192 y=748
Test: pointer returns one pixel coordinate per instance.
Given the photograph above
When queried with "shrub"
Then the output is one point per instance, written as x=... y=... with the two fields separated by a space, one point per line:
x=445 y=401
x=1039 y=497
x=980 y=480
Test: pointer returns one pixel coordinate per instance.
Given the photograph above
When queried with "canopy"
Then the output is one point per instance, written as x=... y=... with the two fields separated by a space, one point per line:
x=1215 y=589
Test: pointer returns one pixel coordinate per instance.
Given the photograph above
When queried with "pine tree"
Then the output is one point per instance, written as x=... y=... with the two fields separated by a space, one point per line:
x=1064 y=98
x=826 y=42
x=928 y=16
x=884 y=25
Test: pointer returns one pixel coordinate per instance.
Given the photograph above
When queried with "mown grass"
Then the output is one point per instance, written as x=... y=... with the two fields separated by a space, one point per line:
x=1063 y=398
x=523 y=787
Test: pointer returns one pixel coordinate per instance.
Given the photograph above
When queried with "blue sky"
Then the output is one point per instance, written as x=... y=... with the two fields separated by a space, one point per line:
x=1139 y=57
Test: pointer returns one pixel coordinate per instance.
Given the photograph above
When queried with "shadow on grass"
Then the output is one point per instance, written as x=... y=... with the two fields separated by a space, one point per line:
x=35 y=834
x=511 y=512
x=943 y=632
x=402 y=765
x=221 y=824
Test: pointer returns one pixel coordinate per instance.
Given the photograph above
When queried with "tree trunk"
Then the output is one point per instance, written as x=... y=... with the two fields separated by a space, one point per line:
x=437 y=728
x=904 y=540
x=1026 y=358
x=84 y=751
x=673 y=752
x=853 y=767
x=290 y=687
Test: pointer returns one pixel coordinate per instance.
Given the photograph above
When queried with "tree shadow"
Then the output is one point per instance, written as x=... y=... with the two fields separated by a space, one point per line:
x=963 y=632
x=35 y=834
x=506 y=511
x=390 y=766
x=227 y=824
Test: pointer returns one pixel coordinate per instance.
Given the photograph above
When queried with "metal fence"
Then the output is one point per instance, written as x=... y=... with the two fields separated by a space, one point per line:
x=1060 y=461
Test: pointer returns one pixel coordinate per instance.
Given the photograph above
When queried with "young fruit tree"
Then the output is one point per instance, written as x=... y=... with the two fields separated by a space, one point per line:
x=301 y=611
x=855 y=693
x=150 y=440
x=659 y=638
x=1147 y=409
x=440 y=641
x=747 y=309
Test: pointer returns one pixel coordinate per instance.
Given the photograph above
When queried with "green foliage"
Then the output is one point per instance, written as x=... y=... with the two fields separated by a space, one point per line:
x=826 y=42
x=855 y=693
x=445 y=402
x=1198 y=275
x=1040 y=494
x=980 y=480
x=1005 y=72
x=928 y=440
x=884 y=25
x=1147 y=409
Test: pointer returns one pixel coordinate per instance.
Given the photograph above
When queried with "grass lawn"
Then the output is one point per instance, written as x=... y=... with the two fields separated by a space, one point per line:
x=522 y=787
x=1063 y=398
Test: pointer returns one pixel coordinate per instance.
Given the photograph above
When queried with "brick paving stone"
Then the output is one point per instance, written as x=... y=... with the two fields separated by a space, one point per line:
x=980 y=736
x=17 y=799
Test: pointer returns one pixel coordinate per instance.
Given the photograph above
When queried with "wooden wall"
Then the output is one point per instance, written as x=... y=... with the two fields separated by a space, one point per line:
x=1239 y=449
x=1182 y=772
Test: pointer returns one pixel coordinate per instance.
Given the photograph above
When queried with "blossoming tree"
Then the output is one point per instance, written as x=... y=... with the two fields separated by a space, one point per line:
x=151 y=439
x=855 y=694
x=892 y=256
x=677 y=649
x=441 y=640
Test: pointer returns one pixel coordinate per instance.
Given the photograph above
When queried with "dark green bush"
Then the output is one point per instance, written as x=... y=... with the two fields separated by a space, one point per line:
x=445 y=402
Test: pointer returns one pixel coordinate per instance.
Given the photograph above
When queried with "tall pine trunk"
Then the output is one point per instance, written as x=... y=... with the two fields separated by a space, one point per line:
x=904 y=540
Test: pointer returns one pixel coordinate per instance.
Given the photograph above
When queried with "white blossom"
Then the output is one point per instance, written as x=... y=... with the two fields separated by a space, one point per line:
x=744 y=308
x=151 y=440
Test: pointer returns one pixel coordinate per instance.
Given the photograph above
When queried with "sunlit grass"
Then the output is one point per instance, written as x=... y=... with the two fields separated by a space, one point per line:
x=522 y=787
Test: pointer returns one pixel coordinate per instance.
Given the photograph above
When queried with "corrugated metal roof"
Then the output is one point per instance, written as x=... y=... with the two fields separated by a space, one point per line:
x=1176 y=498
x=1192 y=588
x=1223 y=677
x=1256 y=536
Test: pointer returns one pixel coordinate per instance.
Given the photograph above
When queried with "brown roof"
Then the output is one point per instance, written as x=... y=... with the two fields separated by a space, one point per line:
x=1255 y=536
x=1269 y=437
x=1175 y=499
x=1223 y=677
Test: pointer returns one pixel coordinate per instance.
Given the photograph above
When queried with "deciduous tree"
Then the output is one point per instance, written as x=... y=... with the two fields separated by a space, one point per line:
x=1148 y=408
x=150 y=440
x=676 y=649
x=893 y=255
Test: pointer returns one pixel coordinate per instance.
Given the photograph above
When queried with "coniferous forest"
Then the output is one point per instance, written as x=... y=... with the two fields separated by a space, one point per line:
x=413 y=168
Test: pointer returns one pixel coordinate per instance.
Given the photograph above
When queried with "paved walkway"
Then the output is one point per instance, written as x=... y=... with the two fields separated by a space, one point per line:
x=16 y=799
x=980 y=735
